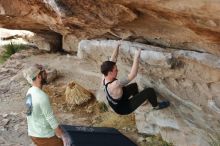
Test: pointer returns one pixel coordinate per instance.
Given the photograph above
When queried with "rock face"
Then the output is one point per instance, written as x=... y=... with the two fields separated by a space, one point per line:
x=181 y=57
x=188 y=79
x=49 y=41
x=192 y=24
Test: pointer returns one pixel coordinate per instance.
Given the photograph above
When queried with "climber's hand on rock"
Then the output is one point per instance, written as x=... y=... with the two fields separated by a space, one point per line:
x=137 y=53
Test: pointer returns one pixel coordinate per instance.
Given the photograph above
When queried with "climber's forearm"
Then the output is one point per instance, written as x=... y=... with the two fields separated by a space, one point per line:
x=114 y=56
x=134 y=69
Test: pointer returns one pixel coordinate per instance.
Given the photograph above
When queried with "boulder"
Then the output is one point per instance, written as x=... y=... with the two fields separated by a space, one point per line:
x=188 y=79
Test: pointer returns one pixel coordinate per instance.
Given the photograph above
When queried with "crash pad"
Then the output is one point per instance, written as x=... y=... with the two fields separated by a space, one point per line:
x=95 y=136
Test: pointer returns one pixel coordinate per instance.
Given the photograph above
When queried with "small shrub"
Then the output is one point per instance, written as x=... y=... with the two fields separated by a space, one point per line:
x=155 y=141
x=1 y=60
x=214 y=141
x=10 y=49
x=103 y=107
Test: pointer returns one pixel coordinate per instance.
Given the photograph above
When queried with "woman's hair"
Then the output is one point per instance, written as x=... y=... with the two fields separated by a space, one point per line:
x=106 y=67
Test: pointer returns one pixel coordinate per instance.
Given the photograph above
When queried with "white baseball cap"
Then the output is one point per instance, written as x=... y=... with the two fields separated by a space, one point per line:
x=31 y=72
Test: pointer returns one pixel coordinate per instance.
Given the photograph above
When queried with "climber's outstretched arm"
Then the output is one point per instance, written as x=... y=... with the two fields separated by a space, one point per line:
x=134 y=68
x=114 y=56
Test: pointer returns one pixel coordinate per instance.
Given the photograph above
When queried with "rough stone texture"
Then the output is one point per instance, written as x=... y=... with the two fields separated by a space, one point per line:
x=48 y=41
x=16 y=85
x=13 y=83
x=14 y=123
x=187 y=78
x=70 y=43
x=183 y=68
x=192 y=24
x=51 y=74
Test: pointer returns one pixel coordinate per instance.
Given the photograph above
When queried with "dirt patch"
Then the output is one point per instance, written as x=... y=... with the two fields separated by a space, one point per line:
x=13 y=126
x=90 y=113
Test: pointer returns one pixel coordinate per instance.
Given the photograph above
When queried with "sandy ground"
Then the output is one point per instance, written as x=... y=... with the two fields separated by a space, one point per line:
x=69 y=68
x=13 y=126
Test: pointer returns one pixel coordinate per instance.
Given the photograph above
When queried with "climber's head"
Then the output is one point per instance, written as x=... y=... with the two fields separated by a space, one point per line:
x=109 y=68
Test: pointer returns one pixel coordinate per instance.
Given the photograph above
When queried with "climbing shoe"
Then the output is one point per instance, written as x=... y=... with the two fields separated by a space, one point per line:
x=162 y=105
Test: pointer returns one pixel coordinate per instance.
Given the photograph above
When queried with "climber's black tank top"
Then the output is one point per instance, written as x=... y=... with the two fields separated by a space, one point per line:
x=112 y=102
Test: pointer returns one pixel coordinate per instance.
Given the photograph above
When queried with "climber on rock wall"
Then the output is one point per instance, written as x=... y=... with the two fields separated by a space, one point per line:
x=123 y=97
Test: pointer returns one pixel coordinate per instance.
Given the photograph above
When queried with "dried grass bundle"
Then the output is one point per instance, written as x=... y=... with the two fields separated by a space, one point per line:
x=76 y=94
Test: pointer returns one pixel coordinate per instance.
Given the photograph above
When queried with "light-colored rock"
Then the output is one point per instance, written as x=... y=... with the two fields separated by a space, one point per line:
x=141 y=139
x=184 y=70
x=41 y=43
x=207 y=59
x=150 y=55
x=4 y=115
x=5 y=122
x=51 y=74
x=188 y=79
x=2 y=141
x=192 y=25
x=70 y=43
x=16 y=127
x=2 y=128
x=48 y=41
